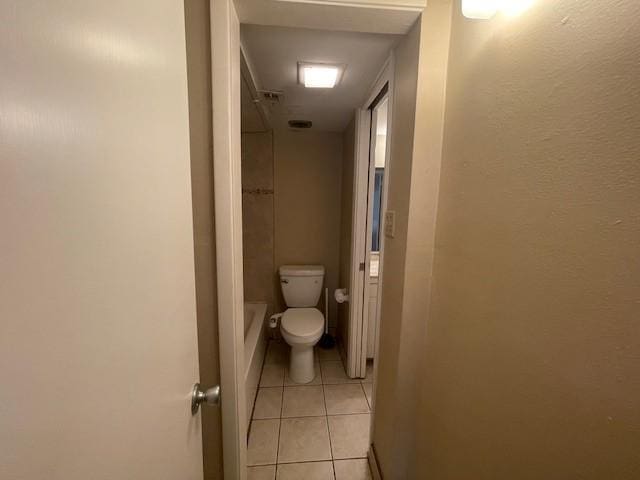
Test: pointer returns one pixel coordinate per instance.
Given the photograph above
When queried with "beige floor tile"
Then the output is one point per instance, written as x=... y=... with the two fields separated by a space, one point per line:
x=316 y=381
x=303 y=401
x=272 y=375
x=333 y=373
x=352 y=469
x=304 y=440
x=277 y=352
x=349 y=436
x=305 y=471
x=330 y=355
x=263 y=442
x=345 y=399
x=368 y=391
x=267 y=472
x=369 y=375
x=268 y=403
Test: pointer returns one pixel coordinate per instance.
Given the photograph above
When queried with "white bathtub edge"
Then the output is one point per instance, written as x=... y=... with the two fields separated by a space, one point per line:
x=255 y=345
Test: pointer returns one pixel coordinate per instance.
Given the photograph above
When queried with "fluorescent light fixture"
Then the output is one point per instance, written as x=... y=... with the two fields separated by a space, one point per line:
x=319 y=75
x=479 y=9
x=485 y=9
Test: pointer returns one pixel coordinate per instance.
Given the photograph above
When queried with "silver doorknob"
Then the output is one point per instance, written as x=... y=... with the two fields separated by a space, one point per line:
x=210 y=397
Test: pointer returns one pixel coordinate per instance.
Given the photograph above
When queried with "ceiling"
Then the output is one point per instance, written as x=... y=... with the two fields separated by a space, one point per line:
x=376 y=16
x=273 y=53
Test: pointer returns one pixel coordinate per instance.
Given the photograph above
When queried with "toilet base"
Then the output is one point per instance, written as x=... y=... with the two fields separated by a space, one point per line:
x=301 y=364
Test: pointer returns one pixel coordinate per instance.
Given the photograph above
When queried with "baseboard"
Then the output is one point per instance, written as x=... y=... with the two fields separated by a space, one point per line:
x=373 y=464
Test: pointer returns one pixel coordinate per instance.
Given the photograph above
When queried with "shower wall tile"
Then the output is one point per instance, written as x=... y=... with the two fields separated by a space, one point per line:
x=257 y=237
x=258 y=217
x=257 y=161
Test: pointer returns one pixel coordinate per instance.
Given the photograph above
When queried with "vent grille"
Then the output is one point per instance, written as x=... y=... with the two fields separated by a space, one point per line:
x=271 y=96
x=300 y=123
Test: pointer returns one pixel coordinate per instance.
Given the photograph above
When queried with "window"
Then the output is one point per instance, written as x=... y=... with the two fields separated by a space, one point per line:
x=377 y=207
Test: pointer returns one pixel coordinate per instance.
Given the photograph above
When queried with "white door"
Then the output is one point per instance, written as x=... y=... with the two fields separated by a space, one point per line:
x=372 y=159
x=97 y=311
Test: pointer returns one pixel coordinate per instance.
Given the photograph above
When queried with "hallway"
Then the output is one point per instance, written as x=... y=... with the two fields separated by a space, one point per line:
x=192 y=190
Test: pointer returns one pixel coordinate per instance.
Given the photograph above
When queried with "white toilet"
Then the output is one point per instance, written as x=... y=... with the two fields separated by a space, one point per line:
x=302 y=324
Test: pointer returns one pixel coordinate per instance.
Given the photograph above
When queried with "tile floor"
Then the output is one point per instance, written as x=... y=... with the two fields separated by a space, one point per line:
x=318 y=431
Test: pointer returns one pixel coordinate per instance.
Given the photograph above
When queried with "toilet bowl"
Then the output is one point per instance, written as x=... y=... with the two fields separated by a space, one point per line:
x=302 y=328
x=302 y=324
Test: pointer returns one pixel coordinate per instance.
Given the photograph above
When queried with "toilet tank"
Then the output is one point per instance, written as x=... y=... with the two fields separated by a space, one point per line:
x=301 y=284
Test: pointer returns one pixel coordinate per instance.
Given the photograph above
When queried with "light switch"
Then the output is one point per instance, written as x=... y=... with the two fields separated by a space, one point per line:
x=390 y=224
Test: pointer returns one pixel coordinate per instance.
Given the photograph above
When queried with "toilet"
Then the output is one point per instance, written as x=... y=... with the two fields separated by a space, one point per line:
x=302 y=324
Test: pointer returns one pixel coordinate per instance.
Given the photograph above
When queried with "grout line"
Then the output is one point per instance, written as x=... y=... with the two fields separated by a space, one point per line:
x=365 y=398
x=324 y=403
x=304 y=416
x=316 y=416
x=326 y=419
x=333 y=467
x=311 y=461
x=280 y=426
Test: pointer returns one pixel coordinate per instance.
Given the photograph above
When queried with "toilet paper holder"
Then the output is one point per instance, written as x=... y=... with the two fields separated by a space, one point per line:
x=341 y=295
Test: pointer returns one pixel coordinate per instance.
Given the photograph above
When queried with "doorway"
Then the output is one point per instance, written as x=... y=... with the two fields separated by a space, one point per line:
x=372 y=147
x=303 y=216
x=376 y=208
x=295 y=193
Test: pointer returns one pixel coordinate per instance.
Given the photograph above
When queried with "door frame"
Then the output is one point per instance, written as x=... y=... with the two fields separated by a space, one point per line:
x=226 y=70
x=361 y=243
x=225 y=85
x=360 y=188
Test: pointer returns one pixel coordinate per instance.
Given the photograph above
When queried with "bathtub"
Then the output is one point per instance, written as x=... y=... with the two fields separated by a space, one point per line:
x=255 y=345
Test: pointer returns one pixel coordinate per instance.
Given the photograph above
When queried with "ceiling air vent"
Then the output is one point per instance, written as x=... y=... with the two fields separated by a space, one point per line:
x=271 y=96
x=300 y=123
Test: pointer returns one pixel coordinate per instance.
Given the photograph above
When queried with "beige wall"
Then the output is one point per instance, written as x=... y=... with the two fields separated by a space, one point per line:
x=414 y=170
x=258 y=218
x=531 y=367
x=346 y=219
x=201 y=146
x=307 y=179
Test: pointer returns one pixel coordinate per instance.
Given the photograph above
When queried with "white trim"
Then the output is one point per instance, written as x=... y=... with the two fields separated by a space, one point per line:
x=383 y=5
x=356 y=296
x=381 y=79
x=225 y=60
x=361 y=241
x=361 y=367
x=389 y=74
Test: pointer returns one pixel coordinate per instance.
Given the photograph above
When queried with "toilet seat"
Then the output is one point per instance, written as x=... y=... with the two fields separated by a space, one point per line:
x=303 y=323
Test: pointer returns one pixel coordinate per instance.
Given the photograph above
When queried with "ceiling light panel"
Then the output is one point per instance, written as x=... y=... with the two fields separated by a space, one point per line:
x=319 y=75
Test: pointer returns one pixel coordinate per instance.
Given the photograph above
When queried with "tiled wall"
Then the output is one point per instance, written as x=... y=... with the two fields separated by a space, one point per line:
x=258 y=218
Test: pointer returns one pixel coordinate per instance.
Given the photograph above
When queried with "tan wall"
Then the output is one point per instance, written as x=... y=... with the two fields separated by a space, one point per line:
x=387 y=400
x=531 y=367
x=201 y=146
x=258 y=218
x=414 y=171
x=308 y=169
x=346 y=219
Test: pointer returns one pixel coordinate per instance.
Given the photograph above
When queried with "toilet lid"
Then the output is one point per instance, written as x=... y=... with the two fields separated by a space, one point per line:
x=303 y=322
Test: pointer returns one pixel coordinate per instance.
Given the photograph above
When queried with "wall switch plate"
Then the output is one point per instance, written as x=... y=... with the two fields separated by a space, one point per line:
x=390 y=224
